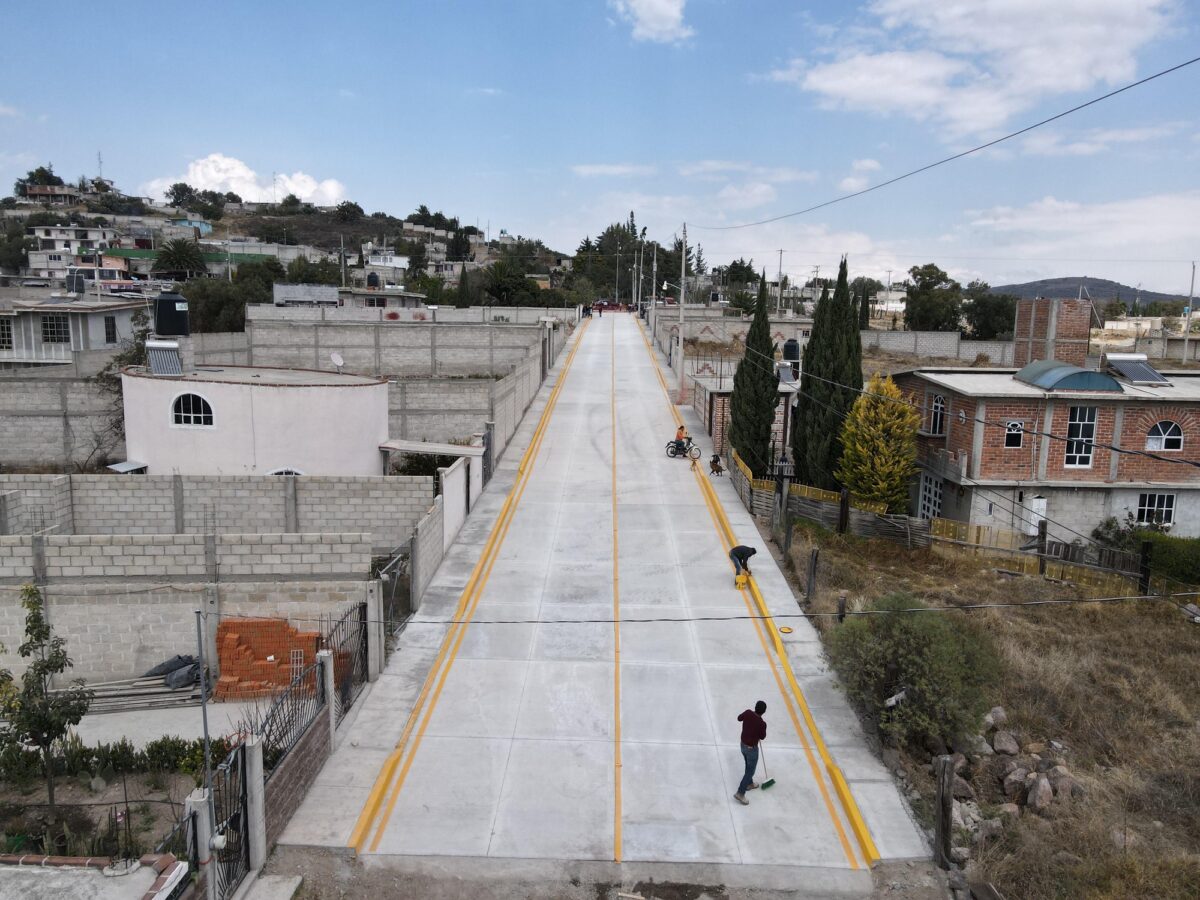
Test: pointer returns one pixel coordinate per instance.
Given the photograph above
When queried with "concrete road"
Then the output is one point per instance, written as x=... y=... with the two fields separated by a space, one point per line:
x=570 y=687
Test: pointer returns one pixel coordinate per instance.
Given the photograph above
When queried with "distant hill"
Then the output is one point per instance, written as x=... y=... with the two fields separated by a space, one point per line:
x=1100 y=289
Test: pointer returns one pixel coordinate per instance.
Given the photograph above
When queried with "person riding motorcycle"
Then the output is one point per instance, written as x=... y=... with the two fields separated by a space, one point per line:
x=681 y=440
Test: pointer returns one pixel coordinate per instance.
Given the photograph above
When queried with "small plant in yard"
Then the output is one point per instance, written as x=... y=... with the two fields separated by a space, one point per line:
x=34 y=715
x=938 y=666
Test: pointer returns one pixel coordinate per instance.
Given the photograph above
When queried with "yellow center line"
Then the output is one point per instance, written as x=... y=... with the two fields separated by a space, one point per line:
x=836 y=778
x=616 y=616
x=387 y=780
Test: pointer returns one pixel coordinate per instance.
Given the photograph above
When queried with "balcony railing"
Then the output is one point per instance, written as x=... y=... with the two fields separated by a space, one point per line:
x=944 y=463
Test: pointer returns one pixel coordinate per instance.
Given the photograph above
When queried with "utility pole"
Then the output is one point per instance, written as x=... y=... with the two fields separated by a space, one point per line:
x=653 y=291
x=617 y=286
x=889 y=290
x=779 y=302
x=1187 y=318
x=816 y=285
x=682 y=301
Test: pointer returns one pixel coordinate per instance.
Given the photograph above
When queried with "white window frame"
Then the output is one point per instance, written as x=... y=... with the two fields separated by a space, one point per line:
x=1162 y=432
x=1081 y=437
x=1156 y=509
x=211 y=415
x=1012 y=428
x=930 y=499
x=937 y=414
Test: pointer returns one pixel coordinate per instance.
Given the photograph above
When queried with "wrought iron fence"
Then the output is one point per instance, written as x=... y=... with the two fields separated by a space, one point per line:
x=292 y=711
x=347 y=640
x=231 y=839
x=181 y=841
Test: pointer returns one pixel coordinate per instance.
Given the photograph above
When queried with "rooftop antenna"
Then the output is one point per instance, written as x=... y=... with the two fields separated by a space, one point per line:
x=338 y=362
x=100 y=165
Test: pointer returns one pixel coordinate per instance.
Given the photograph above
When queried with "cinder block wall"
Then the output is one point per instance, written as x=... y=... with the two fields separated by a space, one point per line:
x=429 y=549
x=50 y=421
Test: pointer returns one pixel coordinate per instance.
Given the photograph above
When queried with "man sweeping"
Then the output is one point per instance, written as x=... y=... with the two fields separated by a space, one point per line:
x=741 y=562
x=754 y=730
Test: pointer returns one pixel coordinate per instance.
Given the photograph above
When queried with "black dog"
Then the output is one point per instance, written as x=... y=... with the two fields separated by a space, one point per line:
x=714 y=465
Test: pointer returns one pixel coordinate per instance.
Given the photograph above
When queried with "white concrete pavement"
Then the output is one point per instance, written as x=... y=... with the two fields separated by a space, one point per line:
x=551 y=731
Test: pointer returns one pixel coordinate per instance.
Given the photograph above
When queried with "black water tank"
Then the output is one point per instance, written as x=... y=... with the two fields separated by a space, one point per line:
x=171 y=316
x=791 y=353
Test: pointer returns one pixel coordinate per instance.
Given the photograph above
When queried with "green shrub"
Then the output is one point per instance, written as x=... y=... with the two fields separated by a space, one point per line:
x=942 y=662
x=120 y=756
x=166 y=754
x=19 y=766
x=1174 y=557
x=74 y=756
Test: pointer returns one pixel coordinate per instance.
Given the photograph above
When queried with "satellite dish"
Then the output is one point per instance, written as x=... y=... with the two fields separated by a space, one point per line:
x=336 y=359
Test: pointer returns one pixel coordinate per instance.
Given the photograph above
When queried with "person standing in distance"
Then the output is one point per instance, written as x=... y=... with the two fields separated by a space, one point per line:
x=754 y=730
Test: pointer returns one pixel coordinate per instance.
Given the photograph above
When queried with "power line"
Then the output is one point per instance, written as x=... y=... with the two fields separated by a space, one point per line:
x=949 y=159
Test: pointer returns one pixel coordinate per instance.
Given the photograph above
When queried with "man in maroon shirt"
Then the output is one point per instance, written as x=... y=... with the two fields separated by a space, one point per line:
x=754 y=729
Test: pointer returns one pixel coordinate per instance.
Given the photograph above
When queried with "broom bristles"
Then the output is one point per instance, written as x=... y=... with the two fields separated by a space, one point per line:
x=770 y=782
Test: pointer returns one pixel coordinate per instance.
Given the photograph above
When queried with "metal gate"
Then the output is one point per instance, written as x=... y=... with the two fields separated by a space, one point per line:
x=231 y=846
x=347 y=640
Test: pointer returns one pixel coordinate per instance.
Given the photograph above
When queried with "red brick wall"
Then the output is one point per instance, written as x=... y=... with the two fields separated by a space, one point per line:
x=1139 y=419
x=291 y=780
x=1072 y=328
x=1016 y=463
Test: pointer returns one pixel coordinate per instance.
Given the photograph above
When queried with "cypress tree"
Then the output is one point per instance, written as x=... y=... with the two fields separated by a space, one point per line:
x=879 y=445
x=830 y=381
x=864 y=310
x=755 y=392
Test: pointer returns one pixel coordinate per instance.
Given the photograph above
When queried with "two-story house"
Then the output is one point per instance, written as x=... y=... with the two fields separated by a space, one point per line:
x=57 y=246
x=83 y=331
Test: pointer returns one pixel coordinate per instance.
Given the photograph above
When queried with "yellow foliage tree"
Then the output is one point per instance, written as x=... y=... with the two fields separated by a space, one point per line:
x=879 y=441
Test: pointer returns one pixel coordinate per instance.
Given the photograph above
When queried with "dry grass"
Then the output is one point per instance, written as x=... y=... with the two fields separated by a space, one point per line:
x=1116 y=684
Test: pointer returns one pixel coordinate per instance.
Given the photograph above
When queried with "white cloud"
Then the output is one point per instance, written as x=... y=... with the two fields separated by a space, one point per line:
x=1098 y=140
x=486 y=91
x=852 y=183
x=972 y=66
x=746 y=196
x=612 y=170
x=718 y=169
x=865 y=165
x=660 y=21
x=217 y=172
x=6 y=110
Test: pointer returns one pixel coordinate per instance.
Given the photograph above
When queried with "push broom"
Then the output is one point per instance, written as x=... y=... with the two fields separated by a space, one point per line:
x=770 y=782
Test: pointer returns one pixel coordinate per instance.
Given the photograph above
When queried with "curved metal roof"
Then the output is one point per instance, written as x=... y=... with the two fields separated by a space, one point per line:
x=1056 y=375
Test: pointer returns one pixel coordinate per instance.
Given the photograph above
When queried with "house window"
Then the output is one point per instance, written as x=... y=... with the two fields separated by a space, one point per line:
x=1081 y=433
x=1156 y=509
x=931 y=496
x=110 y=329
x=192 y=409
x=55 y=257
x=56 y=329
x=6 y=338
x=377 y=302
x=1012 y=434
x=1165 y=436
x=937 y=415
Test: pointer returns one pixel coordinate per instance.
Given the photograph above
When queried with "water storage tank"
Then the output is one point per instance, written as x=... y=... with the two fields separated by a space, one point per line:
x=791 y=354
x=171 y=316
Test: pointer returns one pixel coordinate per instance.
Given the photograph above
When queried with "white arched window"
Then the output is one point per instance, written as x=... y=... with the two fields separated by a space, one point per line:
x=937 y=415
x=193 y=410
x=1164 y=436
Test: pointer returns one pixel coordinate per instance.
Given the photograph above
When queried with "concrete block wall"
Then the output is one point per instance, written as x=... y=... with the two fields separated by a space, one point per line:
x=251 y=504
x=229 y=348
x=428 y=550
x=106 y=504
x=51 y=421
x=303 y=603
x=16 y=558
x=388 y=507
x=442 y=409
x=512 y=395
x=246 y=556
x=12 y=513
x=518 y=315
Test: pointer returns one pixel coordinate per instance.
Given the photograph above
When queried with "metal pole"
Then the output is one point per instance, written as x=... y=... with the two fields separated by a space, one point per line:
x=1187 y=319
x=682 y=301
x=212 y=810
x=617 y=286
x=779 y=302
x=653 y=292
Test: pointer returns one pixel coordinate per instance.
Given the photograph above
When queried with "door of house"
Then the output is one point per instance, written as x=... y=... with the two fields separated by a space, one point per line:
x=931 y=496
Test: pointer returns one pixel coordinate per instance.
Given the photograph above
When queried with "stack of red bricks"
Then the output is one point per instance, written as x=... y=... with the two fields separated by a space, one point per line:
x=255 y=656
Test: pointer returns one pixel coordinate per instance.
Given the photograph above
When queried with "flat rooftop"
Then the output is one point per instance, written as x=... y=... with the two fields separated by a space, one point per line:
x=14 y=300
x=263 y=375
x=1182 y=387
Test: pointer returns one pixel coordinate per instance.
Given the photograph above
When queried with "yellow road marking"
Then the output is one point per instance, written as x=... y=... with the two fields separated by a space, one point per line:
x=836 y=778
x=467 y=603
x=616 y=617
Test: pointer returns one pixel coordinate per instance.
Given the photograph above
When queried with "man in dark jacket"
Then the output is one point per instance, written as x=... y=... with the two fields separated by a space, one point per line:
x=741 y=558
x=754 y=730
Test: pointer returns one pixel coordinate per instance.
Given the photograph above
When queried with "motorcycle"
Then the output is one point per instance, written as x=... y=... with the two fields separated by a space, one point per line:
x=690 y=450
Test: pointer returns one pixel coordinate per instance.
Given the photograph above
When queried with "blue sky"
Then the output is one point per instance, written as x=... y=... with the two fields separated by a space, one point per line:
x=552 y=119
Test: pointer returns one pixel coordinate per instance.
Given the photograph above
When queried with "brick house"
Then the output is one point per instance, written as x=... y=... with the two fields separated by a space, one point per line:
x=982 y=462
x=710 y=400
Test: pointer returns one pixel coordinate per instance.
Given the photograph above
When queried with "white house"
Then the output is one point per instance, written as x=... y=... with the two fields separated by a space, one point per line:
x=243 y=420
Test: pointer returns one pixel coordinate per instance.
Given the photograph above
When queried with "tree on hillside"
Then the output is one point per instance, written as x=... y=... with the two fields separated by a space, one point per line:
x=755 y=393
x=934 y=301
x=740 y=271
x=180 y=257
x=830 y=381
x=301 y=270
x=42 y=176
x=879 y=445
x=864 y=284
x=348 y=211
x=506 y=285
x=989 y=316
x=701 y=264
x=38 y=714
x=416 y=261
x=14 y=247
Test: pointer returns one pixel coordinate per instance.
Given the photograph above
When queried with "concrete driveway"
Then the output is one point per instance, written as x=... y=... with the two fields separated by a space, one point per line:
x=574 y=696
